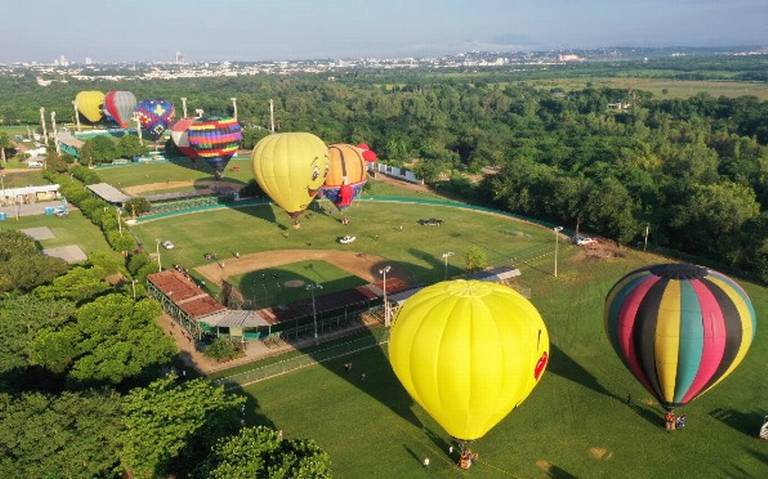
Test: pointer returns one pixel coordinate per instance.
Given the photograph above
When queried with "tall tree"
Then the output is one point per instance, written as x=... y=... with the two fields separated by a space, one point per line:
x=66 y=436
x=261 y=452
x=171 y=422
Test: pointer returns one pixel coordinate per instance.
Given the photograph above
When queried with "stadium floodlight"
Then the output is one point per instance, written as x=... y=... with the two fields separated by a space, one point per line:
x=556 y=229
x=445 y=256
x=311 y=287
x=383 y=271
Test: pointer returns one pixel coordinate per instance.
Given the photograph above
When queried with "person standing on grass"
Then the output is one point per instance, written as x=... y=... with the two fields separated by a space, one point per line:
x=426 y=462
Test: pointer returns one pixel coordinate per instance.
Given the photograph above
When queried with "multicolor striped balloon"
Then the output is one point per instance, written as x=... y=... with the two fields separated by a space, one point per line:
x=215 y=140
x=155 y=115
x=180 y=137
x=679 y=328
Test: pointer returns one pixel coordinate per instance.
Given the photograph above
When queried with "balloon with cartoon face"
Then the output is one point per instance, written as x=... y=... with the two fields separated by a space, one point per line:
x=291 y=168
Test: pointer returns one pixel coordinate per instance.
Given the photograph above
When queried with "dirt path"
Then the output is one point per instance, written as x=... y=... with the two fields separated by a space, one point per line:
x=167 y=185
x=361 y=265
x=191 y=356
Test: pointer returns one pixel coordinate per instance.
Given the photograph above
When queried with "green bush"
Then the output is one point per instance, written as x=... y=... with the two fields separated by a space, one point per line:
x=223 y=349
x=89 y=177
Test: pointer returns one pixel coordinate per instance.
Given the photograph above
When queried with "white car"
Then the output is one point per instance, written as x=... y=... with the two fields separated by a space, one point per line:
x=347 y=239
x=582 y=240
x=168 y=244
x=35 y=164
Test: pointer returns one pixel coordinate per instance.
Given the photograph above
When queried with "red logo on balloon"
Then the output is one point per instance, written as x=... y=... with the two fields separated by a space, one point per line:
x=540 y=365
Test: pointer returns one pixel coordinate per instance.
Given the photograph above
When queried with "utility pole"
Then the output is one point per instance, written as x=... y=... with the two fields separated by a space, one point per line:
x=184 y=106
x=557 y=230
x=42 y=124
x=311 y=288
x=55 y=132
x=271 y=116
x=384 y=272
x=234 y=108
x=157 y=252
x=445 y=256
x=77 y=115
x=645 y=240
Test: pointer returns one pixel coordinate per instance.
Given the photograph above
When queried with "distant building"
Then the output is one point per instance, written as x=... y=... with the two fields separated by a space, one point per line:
x=570 y=57
x=28 y=194
x=88 y=61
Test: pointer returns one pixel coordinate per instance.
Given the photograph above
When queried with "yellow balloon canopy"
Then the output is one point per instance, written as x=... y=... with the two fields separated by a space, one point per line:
x=290 y=168
x=90 y=105
x=468 y=352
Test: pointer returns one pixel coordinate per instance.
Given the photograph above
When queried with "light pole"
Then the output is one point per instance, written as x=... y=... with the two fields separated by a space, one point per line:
x=311 y=288
x=157 y=252
x=271 y=116
x=645 y=240
x=119 y=223
x=383 y=271
x=445 y=256
x=557 y=230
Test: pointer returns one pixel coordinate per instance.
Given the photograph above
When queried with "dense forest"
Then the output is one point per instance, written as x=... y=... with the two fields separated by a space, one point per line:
x=606 y=161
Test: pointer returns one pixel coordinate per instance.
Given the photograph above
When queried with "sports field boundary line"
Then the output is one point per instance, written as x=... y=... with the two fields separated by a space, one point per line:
x=235 y=385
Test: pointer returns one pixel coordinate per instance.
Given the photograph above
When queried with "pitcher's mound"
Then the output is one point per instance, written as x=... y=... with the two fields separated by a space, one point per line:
x=294 y=283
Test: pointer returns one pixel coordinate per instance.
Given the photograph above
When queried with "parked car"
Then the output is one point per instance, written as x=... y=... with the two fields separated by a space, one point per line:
x=120 y=161
x=347 y=239
x=581 y=240
x=35 y=164
x=168 y=244
x=430 y=222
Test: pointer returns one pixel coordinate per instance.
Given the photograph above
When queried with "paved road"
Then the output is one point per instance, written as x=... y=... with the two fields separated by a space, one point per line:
x=29 y=210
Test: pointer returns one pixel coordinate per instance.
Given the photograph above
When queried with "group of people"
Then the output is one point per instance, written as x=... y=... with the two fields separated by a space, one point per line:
x=210 y=256
x=673 y=422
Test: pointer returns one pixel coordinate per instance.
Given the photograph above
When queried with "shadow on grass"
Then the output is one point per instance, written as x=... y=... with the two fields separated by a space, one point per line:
x=748 y=423
x=566 y=367
x=559 y=473
x=760 y=456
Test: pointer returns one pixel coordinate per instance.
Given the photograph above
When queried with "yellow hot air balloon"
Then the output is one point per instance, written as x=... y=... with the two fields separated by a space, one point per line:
x=291 y=168
x=90 y=105
x=468 y=352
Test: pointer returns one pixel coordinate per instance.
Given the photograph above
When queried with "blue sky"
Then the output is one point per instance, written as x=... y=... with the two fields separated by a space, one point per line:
x=270 y=29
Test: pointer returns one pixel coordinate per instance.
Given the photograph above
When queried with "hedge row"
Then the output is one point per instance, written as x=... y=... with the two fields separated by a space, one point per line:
x=104 y=215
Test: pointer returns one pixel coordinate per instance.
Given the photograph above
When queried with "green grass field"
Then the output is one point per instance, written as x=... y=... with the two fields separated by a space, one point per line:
x=417 y=249
x=576 y=423
x=267 y=287
x=177 y=170
x=72 y=229
x=675 y=88
x=15 y=180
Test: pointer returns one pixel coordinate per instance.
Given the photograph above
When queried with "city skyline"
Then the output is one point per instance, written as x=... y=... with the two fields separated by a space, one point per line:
x=297 y=29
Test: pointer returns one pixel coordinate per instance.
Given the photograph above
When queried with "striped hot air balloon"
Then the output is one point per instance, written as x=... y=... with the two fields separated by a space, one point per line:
x=215 y=140
x=119 y=106
x=155 y=115
x=679 y=328
x=180 y=137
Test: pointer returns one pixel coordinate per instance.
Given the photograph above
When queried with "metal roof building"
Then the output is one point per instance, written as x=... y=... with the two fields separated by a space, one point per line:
x=109 y=193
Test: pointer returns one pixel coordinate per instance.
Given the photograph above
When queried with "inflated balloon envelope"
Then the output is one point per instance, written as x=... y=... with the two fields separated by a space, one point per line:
x=90 y=104
x=468 y=352
x=290 y=168
x=679 y=328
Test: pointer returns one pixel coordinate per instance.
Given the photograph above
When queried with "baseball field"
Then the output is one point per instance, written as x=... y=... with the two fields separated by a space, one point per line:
x=587 y=418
